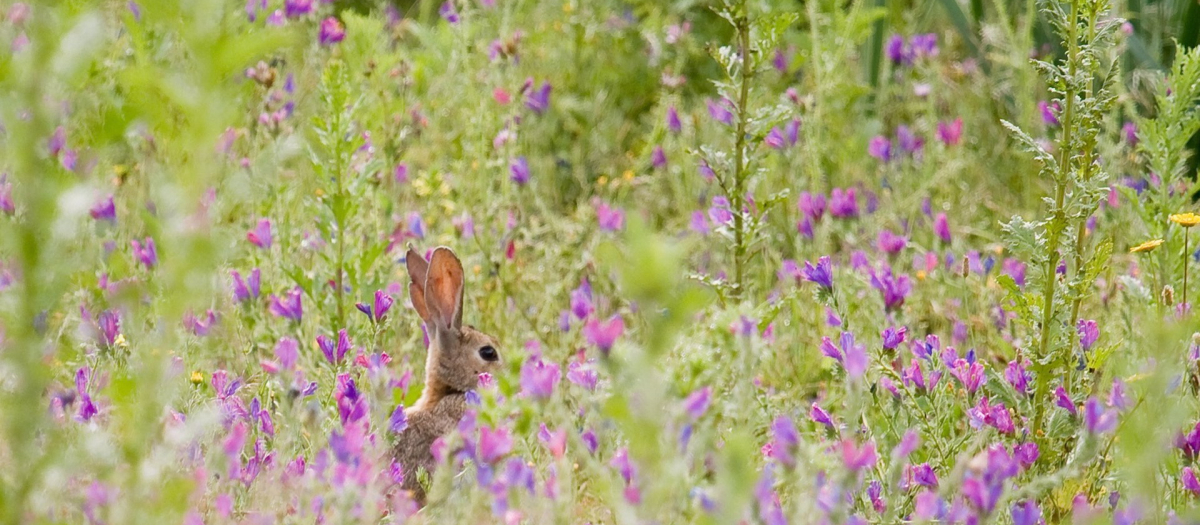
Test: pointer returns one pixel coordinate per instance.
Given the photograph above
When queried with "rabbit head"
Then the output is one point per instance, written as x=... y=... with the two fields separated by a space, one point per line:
x=457 y=353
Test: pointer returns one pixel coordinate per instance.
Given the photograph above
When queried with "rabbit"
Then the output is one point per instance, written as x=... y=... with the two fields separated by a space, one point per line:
x=457 y=355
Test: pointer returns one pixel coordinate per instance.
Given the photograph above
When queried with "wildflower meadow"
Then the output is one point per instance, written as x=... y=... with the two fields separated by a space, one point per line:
x=599 y=261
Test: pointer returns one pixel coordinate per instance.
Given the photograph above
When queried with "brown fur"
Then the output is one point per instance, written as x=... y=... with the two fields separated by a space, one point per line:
x=452 y=366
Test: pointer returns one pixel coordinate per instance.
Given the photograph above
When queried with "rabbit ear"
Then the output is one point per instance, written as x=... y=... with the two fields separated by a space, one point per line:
x=418 y=269
x=444 y=289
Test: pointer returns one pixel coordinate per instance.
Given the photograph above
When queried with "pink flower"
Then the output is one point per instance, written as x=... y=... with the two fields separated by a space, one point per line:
x=603 y=334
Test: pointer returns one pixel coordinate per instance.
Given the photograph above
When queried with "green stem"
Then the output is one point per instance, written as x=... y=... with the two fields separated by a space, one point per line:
x=1052 y=258
x=739 y=174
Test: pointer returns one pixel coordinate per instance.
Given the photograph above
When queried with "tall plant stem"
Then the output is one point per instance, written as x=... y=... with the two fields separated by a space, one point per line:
x=739 y=173
x=1185 y=264
x=1060 y=194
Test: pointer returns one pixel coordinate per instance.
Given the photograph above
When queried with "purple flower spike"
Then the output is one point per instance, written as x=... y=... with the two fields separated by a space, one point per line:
x=397 y=422
x=105 y=210
x=785 y=438
x=287 y=351
x=1097 y=418
x=970 y=374
x=819 y=415
x=449 y=12
x=518 y=171
x=289 y=306
x=261 y=234
x=696 y=403
x=603 y=334
x=893 y=289
x=856 y=457
x=890 y=243
x=721 y=111
x=494 y=444
x=1064 y=401
x=941 y=227
x=1189 y=481
x=6 y=202
x=539 y=101
x=146 y=254
x=1089 y=332
x=950 y=133
x=880 y=148
x=1049 y=113
x=248 y=289
x=658 y=158
x=611 y=218
x=893 y=337
x=1026 y=513
x=331 y=32
x=674 y=125
x=1018 y=376
x=538 y=378
x=297 y=8
x=843 y=204
x=821 y=274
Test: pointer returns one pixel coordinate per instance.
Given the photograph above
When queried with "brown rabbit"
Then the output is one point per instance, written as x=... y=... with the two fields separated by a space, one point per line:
x=457 y=355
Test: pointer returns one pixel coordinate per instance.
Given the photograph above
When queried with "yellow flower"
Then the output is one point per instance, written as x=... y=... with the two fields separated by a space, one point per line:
x=1187 y=220
x=120 y=341
x=1146 y=246
x=197 y=378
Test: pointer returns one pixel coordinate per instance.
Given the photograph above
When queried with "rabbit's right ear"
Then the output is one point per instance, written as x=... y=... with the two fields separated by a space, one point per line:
x=418 y=270
x=444 y=289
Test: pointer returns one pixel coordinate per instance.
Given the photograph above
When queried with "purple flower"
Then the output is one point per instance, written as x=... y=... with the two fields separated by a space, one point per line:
x=908 y=141
x=448 y=12
x=1026 y=454
x=582 y=374
x=334 y=353
x=898 y=52
x=146 y=254
x=297 y=8
x=889 y=242
x=109 y=322
x=819 y=415
x=775 y=139
x=1089 y=332
x=893 y=289
x=908 y=443
x=611 y=218
x=970 y=374
x=245 y=290
x=950 y=133
x=1189 y=481
x=721 y=111
x=856 y=457
x=811 y=205
x=379 y=309
x=1116 y=396
x=261 y=234
x=851 y=355
x=1017 y=376
x=1063 y=400
x=843 y=204
x=880 y=148
x=6 y=202
x=87 y=409
x=105 y=210
x=658 y=158
x=538 y=101
x=1129 y=132
x=941 y=227
x=924 y=476
x=331 y=32
x=697 y=402
x=719 y=213
x=1049 y=112
x=924 y=45
x=893 y=337
x=397 y=422
x=821 y=274
x=603 y=334
x=287 y=351
x=1015 y=269
x=674 y=125
x=518 y=170
x=494 y=444
x=538 y=378
x=785 y=439
x=1097 y=418
x=1026 y=513
x=289 y=306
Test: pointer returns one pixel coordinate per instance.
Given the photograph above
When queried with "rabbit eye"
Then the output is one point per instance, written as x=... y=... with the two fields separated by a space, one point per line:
x=488 y=353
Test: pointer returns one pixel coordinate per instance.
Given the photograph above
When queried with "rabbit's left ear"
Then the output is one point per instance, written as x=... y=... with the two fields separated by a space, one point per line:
x=444 y=289
x=418 y=270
